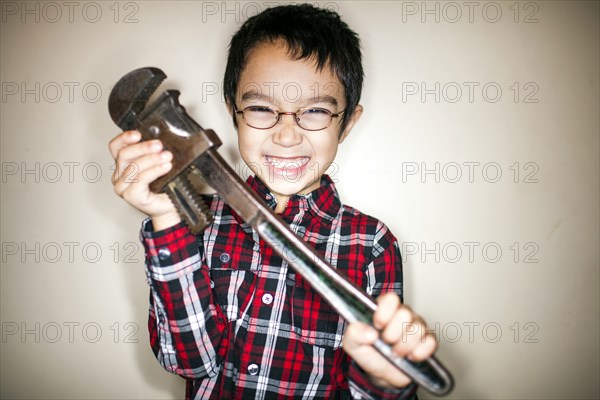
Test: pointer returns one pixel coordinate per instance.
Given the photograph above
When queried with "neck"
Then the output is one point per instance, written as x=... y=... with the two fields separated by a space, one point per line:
x=282 y=201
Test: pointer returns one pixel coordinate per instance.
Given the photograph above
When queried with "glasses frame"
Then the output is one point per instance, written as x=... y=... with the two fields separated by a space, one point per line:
x=295 y=114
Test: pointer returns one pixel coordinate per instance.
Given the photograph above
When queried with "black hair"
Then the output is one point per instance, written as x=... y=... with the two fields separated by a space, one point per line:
x=308 y=32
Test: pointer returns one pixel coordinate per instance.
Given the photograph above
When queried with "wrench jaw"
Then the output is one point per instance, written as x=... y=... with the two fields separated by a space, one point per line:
x=165 y=119
x=130 y=95
x=190 y=206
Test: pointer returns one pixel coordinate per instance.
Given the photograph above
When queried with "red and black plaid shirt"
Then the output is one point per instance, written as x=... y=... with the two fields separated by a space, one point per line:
x=227 y=313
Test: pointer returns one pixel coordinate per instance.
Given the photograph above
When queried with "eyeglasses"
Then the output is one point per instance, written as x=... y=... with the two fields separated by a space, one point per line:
x=310 y=118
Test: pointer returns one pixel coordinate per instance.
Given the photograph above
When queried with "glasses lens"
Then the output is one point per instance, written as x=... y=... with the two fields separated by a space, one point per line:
x=260 y=117
x=314 y=119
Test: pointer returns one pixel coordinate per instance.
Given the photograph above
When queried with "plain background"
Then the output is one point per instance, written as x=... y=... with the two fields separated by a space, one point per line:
x=479 y=147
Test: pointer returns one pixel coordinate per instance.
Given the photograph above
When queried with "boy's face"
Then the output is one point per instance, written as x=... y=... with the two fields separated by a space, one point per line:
x=288 y=158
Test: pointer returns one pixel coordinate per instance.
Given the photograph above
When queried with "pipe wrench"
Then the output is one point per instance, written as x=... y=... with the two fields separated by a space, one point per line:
x=195 y=152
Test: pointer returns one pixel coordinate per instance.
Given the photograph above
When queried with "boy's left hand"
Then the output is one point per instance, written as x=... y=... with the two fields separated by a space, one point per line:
x=404 y=330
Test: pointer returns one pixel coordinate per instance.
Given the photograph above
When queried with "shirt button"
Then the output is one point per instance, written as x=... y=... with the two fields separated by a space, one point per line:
x=253 y=369
x=267 y=298
x=164 y=254
x=224 y=257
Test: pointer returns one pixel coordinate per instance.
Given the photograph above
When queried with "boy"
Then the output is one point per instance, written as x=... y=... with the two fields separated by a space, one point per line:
x=226 y=312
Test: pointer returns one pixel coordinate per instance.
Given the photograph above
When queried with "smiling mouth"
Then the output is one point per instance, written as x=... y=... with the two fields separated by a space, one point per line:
x=287 y=162
x=286 y=165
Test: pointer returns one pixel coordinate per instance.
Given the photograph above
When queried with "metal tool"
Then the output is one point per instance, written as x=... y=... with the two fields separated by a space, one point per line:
x=194 y=152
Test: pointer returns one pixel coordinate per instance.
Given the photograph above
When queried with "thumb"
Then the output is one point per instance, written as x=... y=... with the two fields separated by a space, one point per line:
x=359 y=334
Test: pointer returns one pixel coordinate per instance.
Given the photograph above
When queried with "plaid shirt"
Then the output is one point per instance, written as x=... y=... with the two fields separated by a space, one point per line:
x=227 y=313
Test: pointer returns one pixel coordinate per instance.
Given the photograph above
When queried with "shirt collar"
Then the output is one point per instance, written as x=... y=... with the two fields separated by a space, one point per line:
x=324 y=202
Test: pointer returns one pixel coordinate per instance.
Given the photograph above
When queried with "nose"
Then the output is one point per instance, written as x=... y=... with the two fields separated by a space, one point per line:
x=287 y=131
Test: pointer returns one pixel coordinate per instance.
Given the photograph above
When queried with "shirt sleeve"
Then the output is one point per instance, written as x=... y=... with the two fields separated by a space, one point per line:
x=188 y=332
x=384 y=274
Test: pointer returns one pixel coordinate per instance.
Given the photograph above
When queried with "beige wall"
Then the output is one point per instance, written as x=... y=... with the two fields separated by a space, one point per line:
x=500 y=237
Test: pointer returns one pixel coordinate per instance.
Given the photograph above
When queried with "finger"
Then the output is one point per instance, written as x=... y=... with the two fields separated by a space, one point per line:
x=394 y=330
x=132 y=154
x=121 y=140
x=149 y=174
x=142 y=163
x=357 y=343
x=122 y=180
x=425 y=349
x=154 y=167
x=414 y=333
x=387 y=304
x=359 y=334
x=139 y=194
x=136 y=150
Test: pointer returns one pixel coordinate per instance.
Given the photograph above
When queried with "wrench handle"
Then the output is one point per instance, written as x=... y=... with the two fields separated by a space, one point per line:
x=353 y=305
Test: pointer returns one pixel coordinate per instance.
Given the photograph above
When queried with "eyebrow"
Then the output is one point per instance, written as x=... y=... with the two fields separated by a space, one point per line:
x=322 y=99
x=253 y=95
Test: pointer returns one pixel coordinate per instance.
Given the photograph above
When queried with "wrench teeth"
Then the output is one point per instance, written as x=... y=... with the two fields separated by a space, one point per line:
x=192 y=209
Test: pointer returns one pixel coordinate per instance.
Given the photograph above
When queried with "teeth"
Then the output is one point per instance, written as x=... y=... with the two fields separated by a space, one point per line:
x=286 y=163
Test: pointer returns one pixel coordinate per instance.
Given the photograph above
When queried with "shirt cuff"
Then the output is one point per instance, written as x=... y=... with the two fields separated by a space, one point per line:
x=368 y=390
x=171 y=252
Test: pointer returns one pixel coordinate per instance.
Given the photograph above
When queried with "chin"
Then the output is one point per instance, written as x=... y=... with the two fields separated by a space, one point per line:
x=289 y=187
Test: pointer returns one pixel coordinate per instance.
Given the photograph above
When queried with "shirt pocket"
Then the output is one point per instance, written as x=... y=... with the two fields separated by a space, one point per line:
x=313 y=320
x=233 y=290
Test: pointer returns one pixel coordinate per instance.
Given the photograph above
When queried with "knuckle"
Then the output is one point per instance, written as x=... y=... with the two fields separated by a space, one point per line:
x=385 y=297
x=119 y=160
x=113 y=142
x=419 y=320
x=128 y=196
x=118 y=190
x=399 y=347
x=407 y=308
x=431 y=341
x=390 y=335
x=351 y=331
x=405 y=314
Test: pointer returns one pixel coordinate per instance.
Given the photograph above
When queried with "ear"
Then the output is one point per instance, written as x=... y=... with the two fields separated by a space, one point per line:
x=231 y=112
x=229 y=107
x=358 y=110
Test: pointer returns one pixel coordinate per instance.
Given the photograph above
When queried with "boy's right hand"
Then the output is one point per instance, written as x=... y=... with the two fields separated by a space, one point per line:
x=137 y=165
